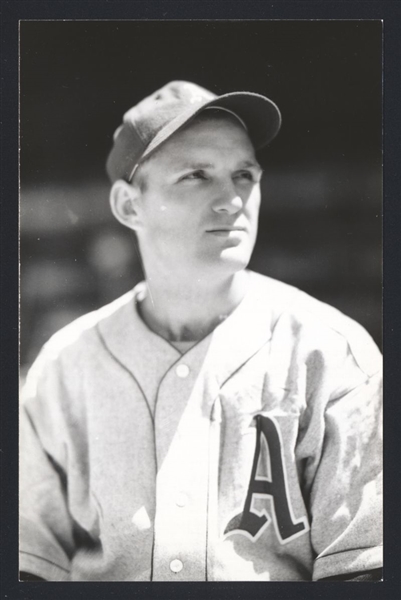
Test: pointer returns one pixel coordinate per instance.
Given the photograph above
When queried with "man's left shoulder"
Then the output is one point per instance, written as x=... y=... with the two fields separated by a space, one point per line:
x=314 y=319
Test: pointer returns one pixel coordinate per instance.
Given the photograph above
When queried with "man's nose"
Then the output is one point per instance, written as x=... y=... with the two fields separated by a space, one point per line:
x=227 y=199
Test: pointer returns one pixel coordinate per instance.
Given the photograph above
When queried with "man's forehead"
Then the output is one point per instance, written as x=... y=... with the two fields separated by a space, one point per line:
x=201 y=158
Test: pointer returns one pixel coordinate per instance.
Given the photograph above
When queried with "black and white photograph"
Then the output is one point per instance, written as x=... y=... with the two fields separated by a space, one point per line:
x=201 y=345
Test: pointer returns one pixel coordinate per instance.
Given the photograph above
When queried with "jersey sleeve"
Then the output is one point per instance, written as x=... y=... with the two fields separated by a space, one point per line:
x=46 y=528
x=346 y=494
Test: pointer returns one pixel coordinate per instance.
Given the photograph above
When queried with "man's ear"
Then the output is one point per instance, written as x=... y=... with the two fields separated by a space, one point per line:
x=124 y=199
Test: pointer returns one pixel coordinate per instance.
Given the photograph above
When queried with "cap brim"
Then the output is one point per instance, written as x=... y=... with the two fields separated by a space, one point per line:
x=260 y=115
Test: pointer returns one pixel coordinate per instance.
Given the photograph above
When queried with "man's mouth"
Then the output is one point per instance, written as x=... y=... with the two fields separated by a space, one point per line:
x=225 y=229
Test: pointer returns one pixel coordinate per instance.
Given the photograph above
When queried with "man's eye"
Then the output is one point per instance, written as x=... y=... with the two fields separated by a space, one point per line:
x=195 y=175
x=246 y=175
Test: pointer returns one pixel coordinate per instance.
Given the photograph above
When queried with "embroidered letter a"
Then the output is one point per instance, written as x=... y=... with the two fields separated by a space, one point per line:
x=252 y=522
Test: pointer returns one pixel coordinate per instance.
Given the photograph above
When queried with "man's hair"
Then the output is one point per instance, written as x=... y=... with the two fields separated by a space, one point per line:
x=211 y=114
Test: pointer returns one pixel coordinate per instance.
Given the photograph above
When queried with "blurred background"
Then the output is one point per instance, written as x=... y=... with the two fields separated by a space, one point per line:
x=320 y=222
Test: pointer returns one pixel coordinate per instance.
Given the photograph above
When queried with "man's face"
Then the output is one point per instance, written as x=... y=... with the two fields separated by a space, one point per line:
x=199 y=209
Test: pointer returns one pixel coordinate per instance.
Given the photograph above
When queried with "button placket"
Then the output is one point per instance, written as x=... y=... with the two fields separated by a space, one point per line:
x=181 y=516
x=182 y=429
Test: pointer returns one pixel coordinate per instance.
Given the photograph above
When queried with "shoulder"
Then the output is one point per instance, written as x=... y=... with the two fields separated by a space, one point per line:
x=84 y=327
x=315 y=324
x=72 y=345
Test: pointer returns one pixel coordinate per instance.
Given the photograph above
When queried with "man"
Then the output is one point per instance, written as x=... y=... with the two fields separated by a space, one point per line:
x=212 y=424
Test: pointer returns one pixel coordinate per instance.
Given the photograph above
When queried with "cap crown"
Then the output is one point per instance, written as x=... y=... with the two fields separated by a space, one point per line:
x=155 y=111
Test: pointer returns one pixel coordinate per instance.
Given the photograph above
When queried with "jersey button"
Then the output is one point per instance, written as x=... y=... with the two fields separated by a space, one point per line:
x=182 y=371
x=176 y=565
x=181 y=500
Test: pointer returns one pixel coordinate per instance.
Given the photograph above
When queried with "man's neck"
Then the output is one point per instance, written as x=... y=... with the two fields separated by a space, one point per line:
x=190 y=310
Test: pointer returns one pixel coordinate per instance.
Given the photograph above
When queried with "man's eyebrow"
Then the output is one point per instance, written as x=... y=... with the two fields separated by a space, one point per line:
x=251 y=163
x=195 y=165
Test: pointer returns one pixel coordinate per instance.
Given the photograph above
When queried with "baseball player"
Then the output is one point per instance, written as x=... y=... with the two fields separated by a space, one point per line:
x=212 y=424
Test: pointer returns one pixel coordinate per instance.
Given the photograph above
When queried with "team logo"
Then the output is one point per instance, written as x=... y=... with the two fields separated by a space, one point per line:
x=252 y=522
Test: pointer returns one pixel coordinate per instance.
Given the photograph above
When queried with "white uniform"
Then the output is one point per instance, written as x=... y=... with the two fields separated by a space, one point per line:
x=254 y=456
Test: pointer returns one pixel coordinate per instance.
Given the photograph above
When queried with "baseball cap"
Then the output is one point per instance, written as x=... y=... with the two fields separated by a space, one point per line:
x=155 y=119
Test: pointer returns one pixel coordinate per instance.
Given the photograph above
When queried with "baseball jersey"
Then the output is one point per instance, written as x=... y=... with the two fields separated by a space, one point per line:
x=253 y=455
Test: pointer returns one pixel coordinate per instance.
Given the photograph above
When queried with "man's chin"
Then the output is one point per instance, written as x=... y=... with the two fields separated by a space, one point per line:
x=230 y=261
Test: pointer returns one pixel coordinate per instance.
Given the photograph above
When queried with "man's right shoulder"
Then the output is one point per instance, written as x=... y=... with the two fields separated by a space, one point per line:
x=82 y=332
